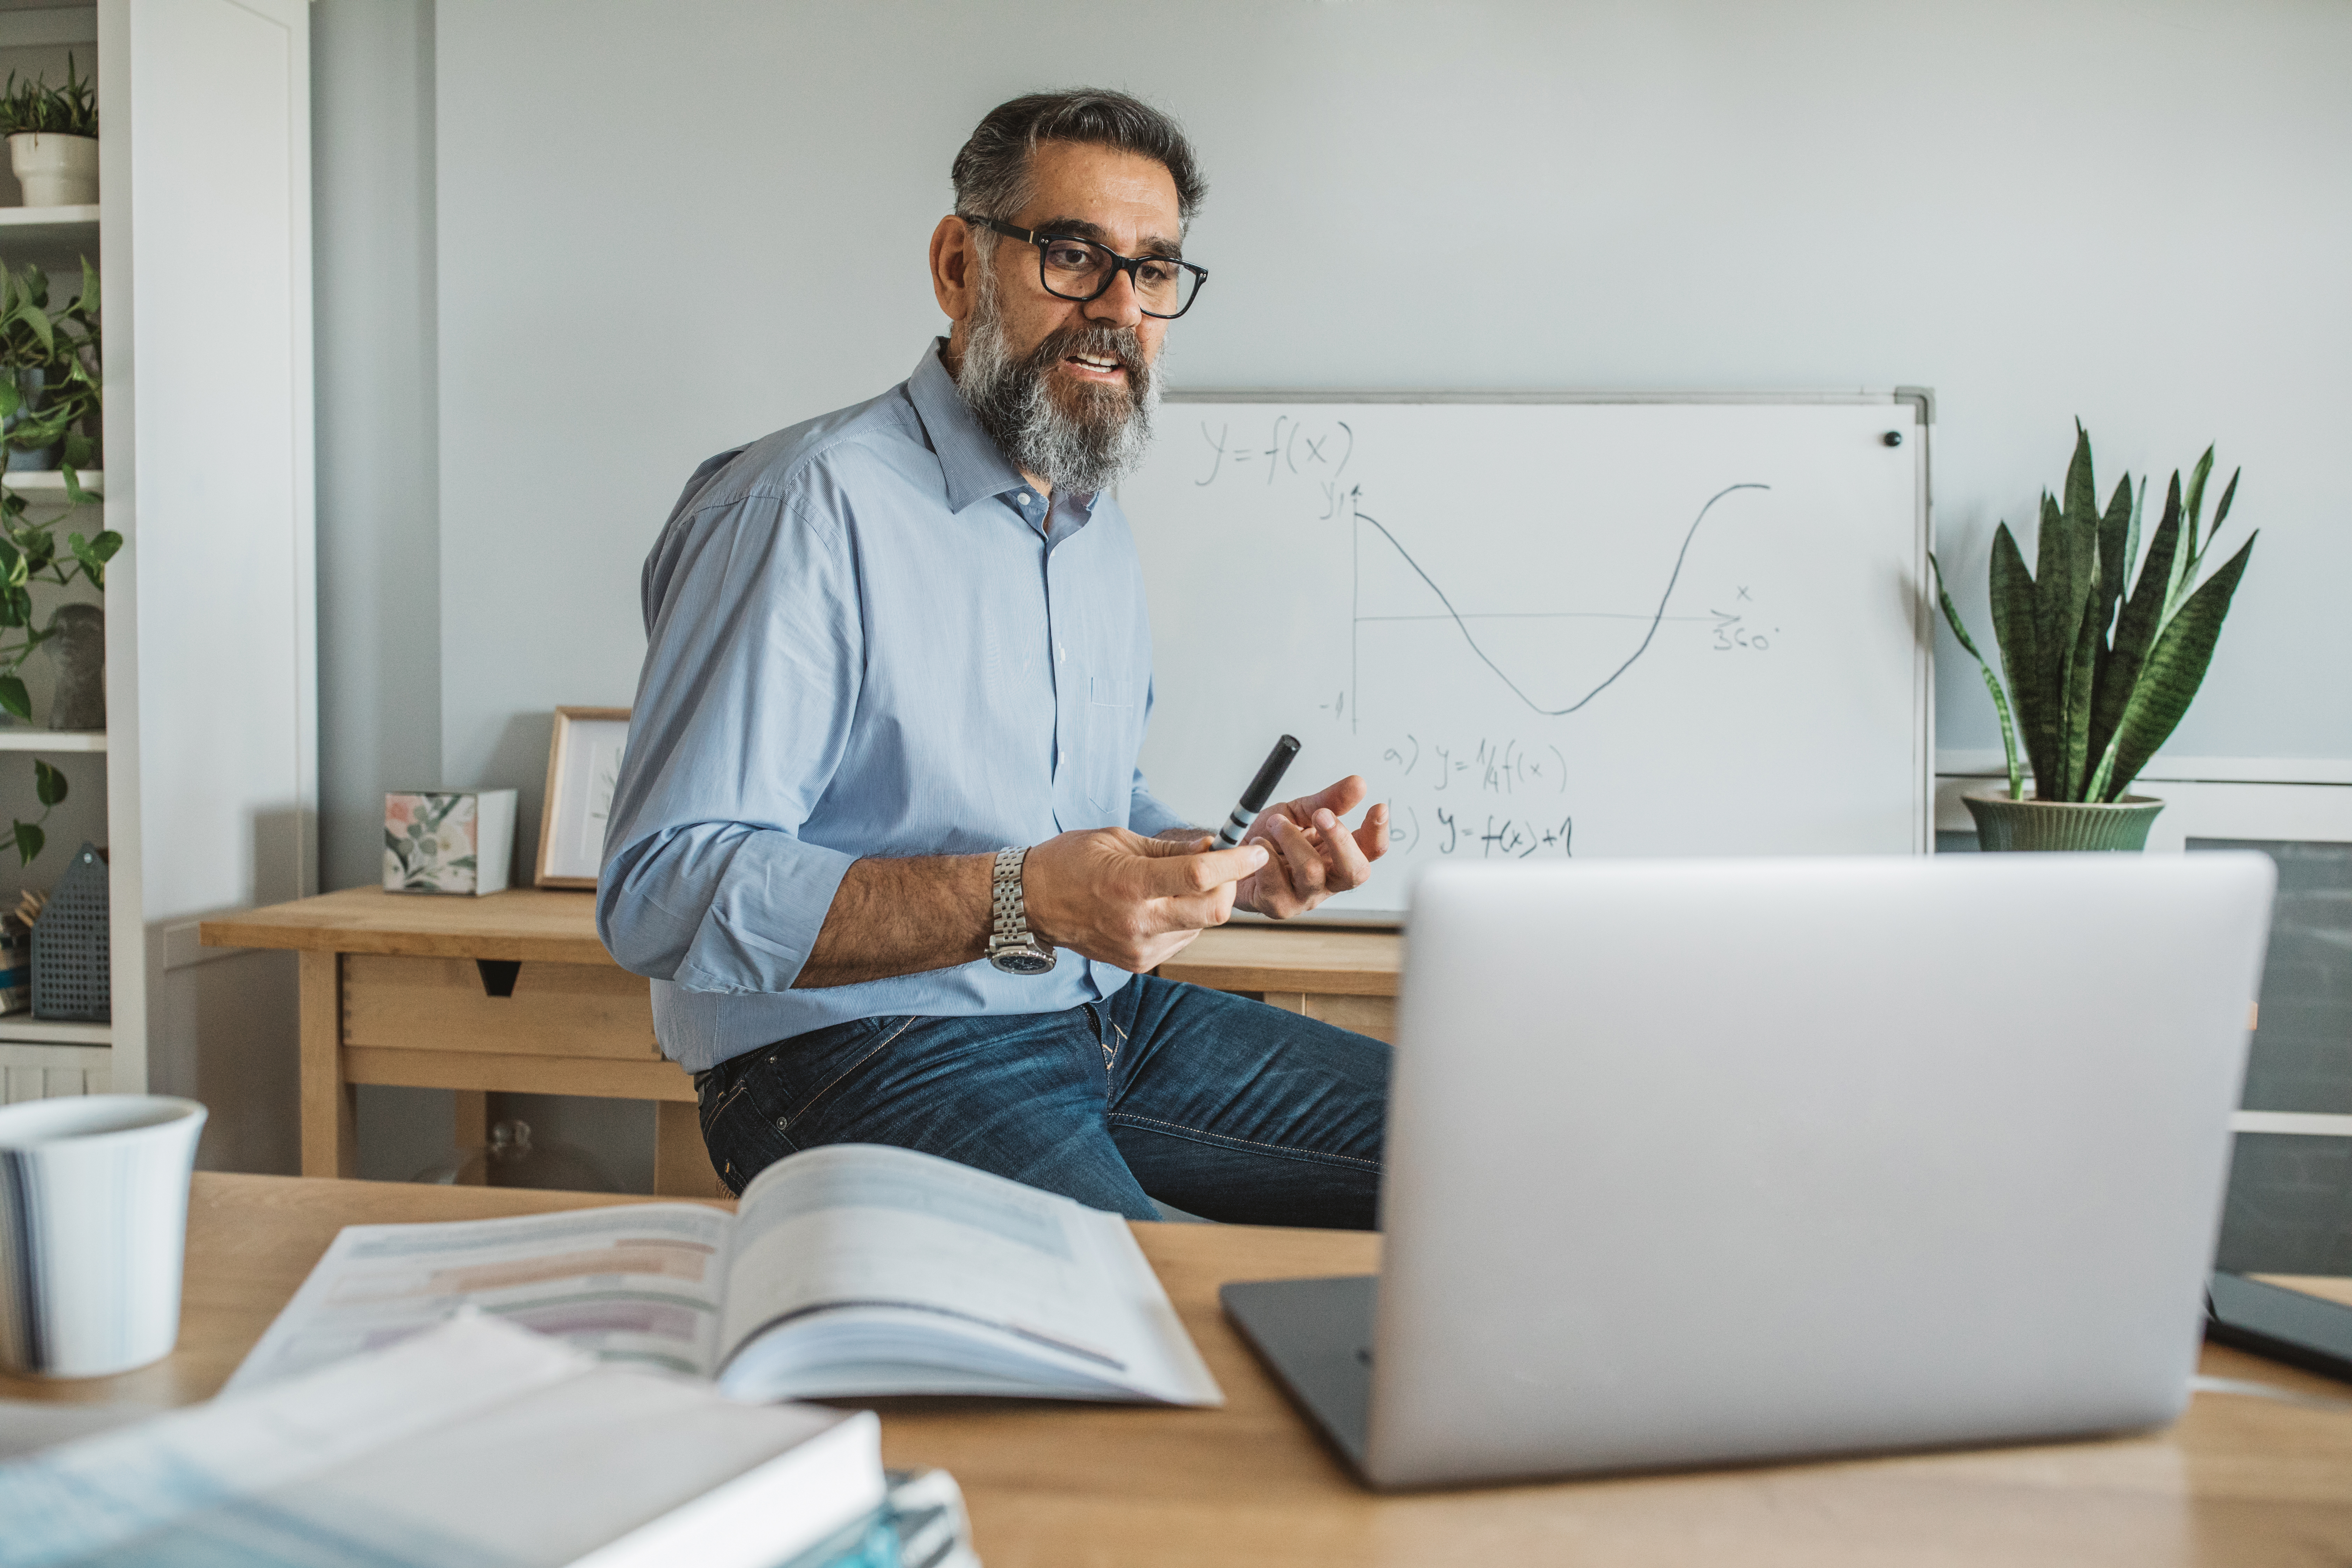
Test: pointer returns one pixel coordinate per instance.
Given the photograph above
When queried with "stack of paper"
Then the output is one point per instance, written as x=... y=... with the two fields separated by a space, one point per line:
x=474 y=1444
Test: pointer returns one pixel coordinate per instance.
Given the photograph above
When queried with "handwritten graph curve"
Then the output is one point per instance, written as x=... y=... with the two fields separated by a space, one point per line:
x=1463 y=626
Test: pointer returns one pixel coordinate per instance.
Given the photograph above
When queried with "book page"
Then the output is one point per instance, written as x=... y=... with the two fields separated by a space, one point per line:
x=637 y=1283
x=867 y=1233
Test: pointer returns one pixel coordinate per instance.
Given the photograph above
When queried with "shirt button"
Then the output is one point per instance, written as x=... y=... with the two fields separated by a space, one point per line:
x=1060 y=651
x=1026 y=498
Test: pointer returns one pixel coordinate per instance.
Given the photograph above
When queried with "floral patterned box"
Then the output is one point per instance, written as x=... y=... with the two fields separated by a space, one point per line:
x=448 y=841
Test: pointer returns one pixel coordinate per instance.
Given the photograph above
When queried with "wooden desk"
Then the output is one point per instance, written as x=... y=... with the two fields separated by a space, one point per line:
x=2243 y=1482
x=514 y=994
x=508 y=994
x=1343 y=977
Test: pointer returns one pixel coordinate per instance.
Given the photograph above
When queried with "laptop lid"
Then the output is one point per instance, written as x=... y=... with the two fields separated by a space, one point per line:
x=1706 y=1162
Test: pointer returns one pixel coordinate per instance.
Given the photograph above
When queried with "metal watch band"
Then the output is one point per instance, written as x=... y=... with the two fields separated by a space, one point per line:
x=1008 y=914
x=1011 y=946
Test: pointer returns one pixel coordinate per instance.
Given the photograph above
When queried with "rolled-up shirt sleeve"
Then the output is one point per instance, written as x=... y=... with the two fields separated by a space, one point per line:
x=751 y=676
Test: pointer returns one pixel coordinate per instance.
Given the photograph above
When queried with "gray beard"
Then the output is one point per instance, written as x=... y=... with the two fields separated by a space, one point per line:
x=1080 y=452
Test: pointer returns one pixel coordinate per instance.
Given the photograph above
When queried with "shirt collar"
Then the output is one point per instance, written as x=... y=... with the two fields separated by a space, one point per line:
x=972 y=464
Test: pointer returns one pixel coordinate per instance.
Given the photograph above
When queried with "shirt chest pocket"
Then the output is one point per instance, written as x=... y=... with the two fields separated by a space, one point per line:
x=1111 y=733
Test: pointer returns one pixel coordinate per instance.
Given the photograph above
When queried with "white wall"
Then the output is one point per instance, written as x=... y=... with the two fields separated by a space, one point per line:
x=668 y=227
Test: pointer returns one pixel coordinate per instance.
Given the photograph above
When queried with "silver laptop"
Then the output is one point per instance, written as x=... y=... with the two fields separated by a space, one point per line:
x=1718 y=1162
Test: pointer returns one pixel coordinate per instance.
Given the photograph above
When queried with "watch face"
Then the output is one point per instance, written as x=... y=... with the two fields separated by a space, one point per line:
x=1022 y=960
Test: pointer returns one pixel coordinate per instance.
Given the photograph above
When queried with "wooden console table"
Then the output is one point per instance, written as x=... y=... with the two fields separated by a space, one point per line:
x=513 y=994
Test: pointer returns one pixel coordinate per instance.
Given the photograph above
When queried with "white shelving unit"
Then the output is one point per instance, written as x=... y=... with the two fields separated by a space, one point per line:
x=208 y=764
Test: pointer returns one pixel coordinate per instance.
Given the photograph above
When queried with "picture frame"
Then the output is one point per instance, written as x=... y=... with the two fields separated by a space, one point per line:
x=583 y=757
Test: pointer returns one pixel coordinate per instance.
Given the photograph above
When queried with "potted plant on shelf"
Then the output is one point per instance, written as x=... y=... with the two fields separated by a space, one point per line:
x=50 y=366
x=52 y=138
x=2097 y=681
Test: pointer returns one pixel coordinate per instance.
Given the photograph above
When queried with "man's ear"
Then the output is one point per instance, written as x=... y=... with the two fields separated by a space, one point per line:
x=955 y=269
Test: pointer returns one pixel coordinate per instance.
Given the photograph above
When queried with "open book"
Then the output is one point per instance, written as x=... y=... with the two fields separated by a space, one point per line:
x=854 y=1270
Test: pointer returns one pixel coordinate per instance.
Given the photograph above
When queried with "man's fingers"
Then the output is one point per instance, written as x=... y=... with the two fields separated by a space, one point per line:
x=1302 y=858
x=1169 y=848
x=1372 y=838
x=1176 y=876
x=1193 y=912
x=1349 y=868
x=1339 y=799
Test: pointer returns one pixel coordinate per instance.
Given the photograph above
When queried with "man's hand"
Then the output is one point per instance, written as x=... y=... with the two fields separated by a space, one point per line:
x=1120 y=897
x=1316 y=855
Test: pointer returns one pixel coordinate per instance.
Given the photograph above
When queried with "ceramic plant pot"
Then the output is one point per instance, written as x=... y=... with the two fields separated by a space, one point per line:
x=2031 y=823
x=55 y=171
x=31 y=383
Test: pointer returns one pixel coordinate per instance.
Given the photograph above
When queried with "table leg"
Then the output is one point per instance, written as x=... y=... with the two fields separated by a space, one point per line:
x=681 y=1162
x=330 y=1143
x=471 y=1133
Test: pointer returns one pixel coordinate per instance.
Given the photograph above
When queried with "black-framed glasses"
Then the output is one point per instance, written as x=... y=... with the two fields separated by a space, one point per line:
x=1074 y=269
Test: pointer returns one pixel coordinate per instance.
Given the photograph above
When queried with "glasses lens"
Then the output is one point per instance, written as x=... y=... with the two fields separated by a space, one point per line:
x=1164 y=288
x=1074 y=269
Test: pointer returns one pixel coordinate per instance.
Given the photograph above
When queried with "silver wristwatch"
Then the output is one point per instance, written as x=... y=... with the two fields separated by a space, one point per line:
x=1010 y=946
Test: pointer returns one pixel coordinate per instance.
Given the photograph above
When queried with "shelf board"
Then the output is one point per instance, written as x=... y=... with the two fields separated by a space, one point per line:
x=49 y=218
x=23 y=1028
x=30 y=480
x=57 y=220
x=27 y=738
x=55 y=239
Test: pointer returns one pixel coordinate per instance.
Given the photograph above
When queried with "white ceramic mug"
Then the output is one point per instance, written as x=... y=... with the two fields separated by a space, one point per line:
x=93 y=1225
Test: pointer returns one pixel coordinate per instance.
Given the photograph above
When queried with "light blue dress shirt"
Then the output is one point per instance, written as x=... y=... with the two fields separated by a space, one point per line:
x=867 y=636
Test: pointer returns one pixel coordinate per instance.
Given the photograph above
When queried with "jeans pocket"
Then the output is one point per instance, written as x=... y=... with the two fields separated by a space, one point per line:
x=802 y=1080
x=742 y=1138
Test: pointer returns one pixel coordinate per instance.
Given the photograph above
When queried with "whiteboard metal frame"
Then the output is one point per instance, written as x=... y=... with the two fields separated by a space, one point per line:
x=1922 y=403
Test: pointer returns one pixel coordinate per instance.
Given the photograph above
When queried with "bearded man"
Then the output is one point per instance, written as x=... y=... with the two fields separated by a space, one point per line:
x=880 y=840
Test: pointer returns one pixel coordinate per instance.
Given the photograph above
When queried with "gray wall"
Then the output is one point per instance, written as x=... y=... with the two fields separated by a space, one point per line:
x=379 y=488
x=379 y=497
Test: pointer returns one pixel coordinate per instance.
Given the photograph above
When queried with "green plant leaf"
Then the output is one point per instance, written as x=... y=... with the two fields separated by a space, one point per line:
x=2176 y=668
x=2196 y=504
x=10 y=398
x=1993 y=684
x=14 y=698
x=2222 y=512
x=2082 y=668
x=30 y=842
x=94 y=555
x=49 y=784
x=2115 y=550
x=2184 y=557
x=2066 y=555
x=2082 y=491
x=2013 y=629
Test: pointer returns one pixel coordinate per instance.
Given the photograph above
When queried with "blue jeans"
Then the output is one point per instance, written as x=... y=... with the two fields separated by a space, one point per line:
x=1224 y=1107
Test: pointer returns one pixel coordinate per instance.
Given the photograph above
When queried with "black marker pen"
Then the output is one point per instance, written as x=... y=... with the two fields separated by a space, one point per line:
x=1278 y=763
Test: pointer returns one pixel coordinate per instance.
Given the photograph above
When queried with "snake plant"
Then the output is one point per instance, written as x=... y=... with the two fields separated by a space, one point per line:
x=2098 y=679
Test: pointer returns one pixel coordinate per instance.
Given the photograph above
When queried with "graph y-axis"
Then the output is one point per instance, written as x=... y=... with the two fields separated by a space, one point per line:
x=1356 y=612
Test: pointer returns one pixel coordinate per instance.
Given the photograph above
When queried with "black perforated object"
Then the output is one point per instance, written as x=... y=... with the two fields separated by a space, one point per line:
x=71 y=953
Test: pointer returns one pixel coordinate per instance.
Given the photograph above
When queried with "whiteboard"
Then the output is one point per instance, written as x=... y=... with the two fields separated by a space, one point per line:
x=1546 y=628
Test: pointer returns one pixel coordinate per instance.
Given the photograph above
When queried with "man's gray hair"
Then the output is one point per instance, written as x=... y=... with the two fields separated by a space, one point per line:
x=991 y=171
